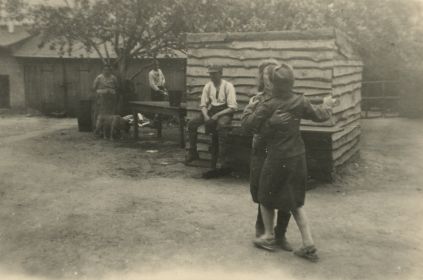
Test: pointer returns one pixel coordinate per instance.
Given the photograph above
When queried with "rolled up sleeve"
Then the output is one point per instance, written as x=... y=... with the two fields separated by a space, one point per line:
x=152 y=82
x=204 y=103
x=231 y=97
x=163 y=79
x=95 y=83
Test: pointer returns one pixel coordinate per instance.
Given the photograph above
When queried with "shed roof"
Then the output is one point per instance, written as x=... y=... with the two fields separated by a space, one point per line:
x=343 y=43
x=324 y=33
x=8 y=39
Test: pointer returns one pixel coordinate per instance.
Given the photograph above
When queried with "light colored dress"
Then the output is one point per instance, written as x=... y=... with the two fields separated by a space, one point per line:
x=105 y=99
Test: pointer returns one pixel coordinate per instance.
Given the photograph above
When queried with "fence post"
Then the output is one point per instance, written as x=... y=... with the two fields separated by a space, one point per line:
x=383 y=100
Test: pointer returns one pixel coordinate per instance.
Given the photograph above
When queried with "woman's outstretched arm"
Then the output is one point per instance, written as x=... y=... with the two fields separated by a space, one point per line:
x=318 y=113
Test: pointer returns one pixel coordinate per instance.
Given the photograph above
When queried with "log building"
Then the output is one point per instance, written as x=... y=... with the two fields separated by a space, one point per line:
x=324 y=64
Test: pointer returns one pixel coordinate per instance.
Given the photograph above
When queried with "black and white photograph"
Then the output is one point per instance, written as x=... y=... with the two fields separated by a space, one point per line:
x=211 y=139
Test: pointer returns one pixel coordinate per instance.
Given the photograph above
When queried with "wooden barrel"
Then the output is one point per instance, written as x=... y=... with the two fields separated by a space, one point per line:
x=84 y=116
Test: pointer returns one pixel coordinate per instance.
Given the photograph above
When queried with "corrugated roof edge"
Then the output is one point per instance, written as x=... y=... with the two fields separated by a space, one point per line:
x=312 y=34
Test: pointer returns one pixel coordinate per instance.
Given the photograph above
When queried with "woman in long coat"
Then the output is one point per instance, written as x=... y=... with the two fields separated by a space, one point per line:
x=258 y=156
x=283 y=178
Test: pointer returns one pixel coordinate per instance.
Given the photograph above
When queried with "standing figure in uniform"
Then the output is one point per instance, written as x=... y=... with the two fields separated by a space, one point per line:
x=105 y=87
x=218 y=104
x=258 y=155
x=283 y=177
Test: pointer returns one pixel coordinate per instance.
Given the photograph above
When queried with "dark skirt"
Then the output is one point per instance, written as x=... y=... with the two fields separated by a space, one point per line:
x=156 y=95
x=283 y=183
x=258 y=156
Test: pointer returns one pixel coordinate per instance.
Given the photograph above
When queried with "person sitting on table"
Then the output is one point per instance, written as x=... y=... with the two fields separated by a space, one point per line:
x=218 y=104
x=157 y=82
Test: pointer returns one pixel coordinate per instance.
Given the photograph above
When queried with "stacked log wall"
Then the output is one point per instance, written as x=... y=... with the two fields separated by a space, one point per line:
x=347 y=77
x=320 y=67
x=312 y=61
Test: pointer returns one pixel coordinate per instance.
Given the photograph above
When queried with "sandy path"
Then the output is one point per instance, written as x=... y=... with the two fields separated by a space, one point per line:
x=72 y=207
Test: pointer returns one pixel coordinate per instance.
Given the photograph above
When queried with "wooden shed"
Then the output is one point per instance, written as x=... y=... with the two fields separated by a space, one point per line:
x=11 y=73
x=55 y=83
x=324 y=63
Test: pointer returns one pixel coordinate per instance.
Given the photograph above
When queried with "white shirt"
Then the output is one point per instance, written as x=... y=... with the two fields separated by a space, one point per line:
x=156 y=79
x=226 y=95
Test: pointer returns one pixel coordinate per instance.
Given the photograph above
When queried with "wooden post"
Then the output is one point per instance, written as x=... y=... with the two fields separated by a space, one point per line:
x=159 y=126
x=135 y=117
x=182 y=129
x=64 y=85
x=383 y=99
x=366 y=104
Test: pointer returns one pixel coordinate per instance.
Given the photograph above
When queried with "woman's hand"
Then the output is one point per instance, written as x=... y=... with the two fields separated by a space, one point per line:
x=253 y=101
x=330 y=102
x=280 y=117
x=253 y=104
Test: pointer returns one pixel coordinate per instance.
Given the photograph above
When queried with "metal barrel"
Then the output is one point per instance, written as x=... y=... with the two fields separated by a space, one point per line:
x=84 y=115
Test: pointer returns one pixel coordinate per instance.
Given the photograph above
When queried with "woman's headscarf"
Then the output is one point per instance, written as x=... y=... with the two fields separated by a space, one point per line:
x=282 y=76
x=265 y=67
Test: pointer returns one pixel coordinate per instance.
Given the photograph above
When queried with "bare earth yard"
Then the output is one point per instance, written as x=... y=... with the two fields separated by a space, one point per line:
x=73 y=207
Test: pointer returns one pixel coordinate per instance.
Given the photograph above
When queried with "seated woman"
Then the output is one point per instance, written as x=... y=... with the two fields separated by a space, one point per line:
x=283 y=178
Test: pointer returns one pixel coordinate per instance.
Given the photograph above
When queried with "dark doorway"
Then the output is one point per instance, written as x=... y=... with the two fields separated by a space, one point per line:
x=4 y=91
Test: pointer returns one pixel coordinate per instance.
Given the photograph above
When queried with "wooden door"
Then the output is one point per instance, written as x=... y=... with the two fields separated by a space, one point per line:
x=52 y=90
x=4 y=91
x=43 y=86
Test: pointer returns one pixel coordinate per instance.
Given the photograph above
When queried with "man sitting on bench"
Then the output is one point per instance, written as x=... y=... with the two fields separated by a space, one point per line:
x=218 y=104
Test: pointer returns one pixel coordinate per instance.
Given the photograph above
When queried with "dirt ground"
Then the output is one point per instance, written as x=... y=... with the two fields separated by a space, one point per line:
x=73 y=207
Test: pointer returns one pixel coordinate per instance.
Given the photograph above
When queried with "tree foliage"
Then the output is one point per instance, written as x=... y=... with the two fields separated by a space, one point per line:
x=12 y=10
x=386 y=32
x=116 y=30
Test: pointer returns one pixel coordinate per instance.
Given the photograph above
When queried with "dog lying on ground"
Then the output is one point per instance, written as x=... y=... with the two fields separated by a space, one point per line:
x=111 y=127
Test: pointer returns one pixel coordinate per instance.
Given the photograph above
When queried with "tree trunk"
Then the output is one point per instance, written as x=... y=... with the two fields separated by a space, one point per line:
x=124 y=91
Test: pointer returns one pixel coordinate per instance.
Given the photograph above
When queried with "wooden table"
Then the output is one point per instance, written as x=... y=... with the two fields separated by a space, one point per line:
x=161 y=108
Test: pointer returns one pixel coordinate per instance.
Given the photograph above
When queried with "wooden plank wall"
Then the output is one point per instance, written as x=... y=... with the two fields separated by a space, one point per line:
x=347 y=77
x=312 y=61
x=321 y=69
x=45 y=79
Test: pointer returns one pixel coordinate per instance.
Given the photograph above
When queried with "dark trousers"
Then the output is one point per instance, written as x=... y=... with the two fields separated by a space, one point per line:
x=157 y=95
x=219 y=135
x=281 y=224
